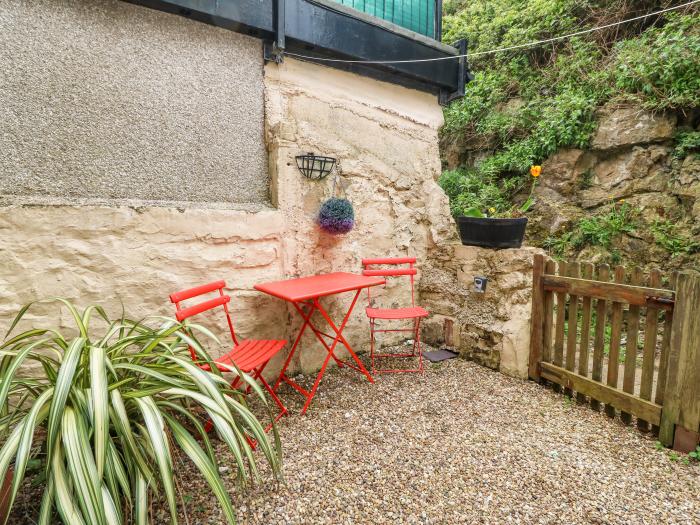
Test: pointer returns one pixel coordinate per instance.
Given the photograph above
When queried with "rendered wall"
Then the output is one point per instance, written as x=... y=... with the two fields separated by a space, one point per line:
x=101 y=100
x=385 y=137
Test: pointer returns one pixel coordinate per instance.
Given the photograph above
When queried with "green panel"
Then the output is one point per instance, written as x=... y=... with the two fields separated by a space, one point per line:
x=416 y=15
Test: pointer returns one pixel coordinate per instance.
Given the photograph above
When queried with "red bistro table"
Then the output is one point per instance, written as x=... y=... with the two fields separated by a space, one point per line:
x=304 y=293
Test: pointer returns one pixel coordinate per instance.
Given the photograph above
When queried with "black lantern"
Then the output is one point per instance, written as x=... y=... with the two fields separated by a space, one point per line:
x=315 y=166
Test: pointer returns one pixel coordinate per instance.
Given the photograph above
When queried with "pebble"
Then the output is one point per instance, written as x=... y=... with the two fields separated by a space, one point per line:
x=462 y=444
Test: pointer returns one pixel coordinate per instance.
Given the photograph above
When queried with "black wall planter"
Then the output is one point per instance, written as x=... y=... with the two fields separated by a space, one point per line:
x=492 y=233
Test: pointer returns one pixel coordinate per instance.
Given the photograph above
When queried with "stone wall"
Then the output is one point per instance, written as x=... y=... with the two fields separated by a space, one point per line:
x=491 y=328
x=104 y=101
x=135 y=255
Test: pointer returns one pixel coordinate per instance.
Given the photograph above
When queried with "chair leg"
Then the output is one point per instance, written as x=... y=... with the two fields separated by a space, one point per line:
x=275 y=397
x=283 y=409
x=371 y=343
x=416 y=350
x=257 y=375
x=417 y=342
x=415 y=339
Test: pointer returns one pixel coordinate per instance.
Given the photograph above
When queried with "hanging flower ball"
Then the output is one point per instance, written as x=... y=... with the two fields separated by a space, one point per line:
x=336 y=216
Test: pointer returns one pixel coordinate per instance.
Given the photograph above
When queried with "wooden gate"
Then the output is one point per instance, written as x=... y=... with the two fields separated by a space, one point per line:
x=630 y=344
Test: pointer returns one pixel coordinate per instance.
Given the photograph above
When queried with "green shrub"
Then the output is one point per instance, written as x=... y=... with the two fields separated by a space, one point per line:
x=598 y=230
x=661 y=69
x=675 y=242
x=471 y=193
x=559 y=87
x=687 y=142
x=108 y=410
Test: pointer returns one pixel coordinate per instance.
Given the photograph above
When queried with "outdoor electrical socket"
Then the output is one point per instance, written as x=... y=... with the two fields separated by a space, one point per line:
x=480 y=284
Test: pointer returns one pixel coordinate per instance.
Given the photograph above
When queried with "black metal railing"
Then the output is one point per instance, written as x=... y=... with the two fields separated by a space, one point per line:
x=421 y=16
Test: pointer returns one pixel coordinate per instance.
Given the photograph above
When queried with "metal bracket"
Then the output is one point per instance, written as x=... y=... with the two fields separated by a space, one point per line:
x=464 y=75
x=271 y=53
x=274 y=51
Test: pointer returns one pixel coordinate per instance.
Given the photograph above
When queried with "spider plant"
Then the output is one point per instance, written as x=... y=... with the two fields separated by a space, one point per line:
x=109 y=412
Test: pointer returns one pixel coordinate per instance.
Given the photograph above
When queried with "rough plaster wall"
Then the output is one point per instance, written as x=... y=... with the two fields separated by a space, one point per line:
x=117 y=256
x=386 y=139
x=101 y=99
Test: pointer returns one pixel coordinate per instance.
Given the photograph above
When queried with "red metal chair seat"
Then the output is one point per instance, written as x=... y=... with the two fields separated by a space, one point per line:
x=413 y=312
x=251 y=356
x=248 y=355
x=397 y=313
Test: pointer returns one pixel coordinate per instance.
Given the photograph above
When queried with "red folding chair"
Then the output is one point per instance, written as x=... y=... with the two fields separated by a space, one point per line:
x=414 y=313
x=250 y=355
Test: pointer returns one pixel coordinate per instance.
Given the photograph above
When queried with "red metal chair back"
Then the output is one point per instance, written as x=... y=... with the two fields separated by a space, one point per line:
x=410 y=271
x=186 y=312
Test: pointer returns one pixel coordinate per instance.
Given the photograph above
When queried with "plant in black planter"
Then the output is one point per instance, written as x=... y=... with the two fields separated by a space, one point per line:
x=484 y=210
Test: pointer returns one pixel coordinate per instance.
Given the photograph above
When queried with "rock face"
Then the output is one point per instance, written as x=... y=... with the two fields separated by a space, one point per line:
x=631 y=160
x=627 y=126
x=491 y=328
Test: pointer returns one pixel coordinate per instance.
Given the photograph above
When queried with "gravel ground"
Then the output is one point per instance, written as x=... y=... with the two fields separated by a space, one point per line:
x=463 y=444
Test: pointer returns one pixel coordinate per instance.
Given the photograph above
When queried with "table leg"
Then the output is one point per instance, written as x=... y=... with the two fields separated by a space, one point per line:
x=293 y=350
x=339 y=334
x=315 y=305
x=339 y=338
x=317 y=332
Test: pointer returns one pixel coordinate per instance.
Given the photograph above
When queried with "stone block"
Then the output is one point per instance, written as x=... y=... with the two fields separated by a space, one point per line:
x=625 y=126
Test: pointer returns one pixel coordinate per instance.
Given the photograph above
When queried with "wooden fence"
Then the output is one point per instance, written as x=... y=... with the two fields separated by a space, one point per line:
x=631 y=344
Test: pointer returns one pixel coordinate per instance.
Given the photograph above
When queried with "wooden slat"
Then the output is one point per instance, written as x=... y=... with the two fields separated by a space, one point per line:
x=615 y=335
x=537 y=318
x=601 y=313
x=682 y=396
x=663 y=357
x=630 y=369
x=587 y=272
x=617 y=292
x=651 y=328
x=559 y=327
x=612 y=397
x=549 y=268
x=572 y=325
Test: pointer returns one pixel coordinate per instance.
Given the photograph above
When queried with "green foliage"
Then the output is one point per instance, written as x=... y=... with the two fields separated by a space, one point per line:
x=669 y=236
x=661 y=68
x=113 y=410
x=692 y=457
x=475 y=195
x=524 y=105
x=597 y=230
x=687 y=142
x=695 y=454
x=469 y=191
x=601 y=229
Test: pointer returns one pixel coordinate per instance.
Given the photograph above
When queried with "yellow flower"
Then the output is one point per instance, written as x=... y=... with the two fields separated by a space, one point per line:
x=535 y=171
x=492 y=210
x=622 y=201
